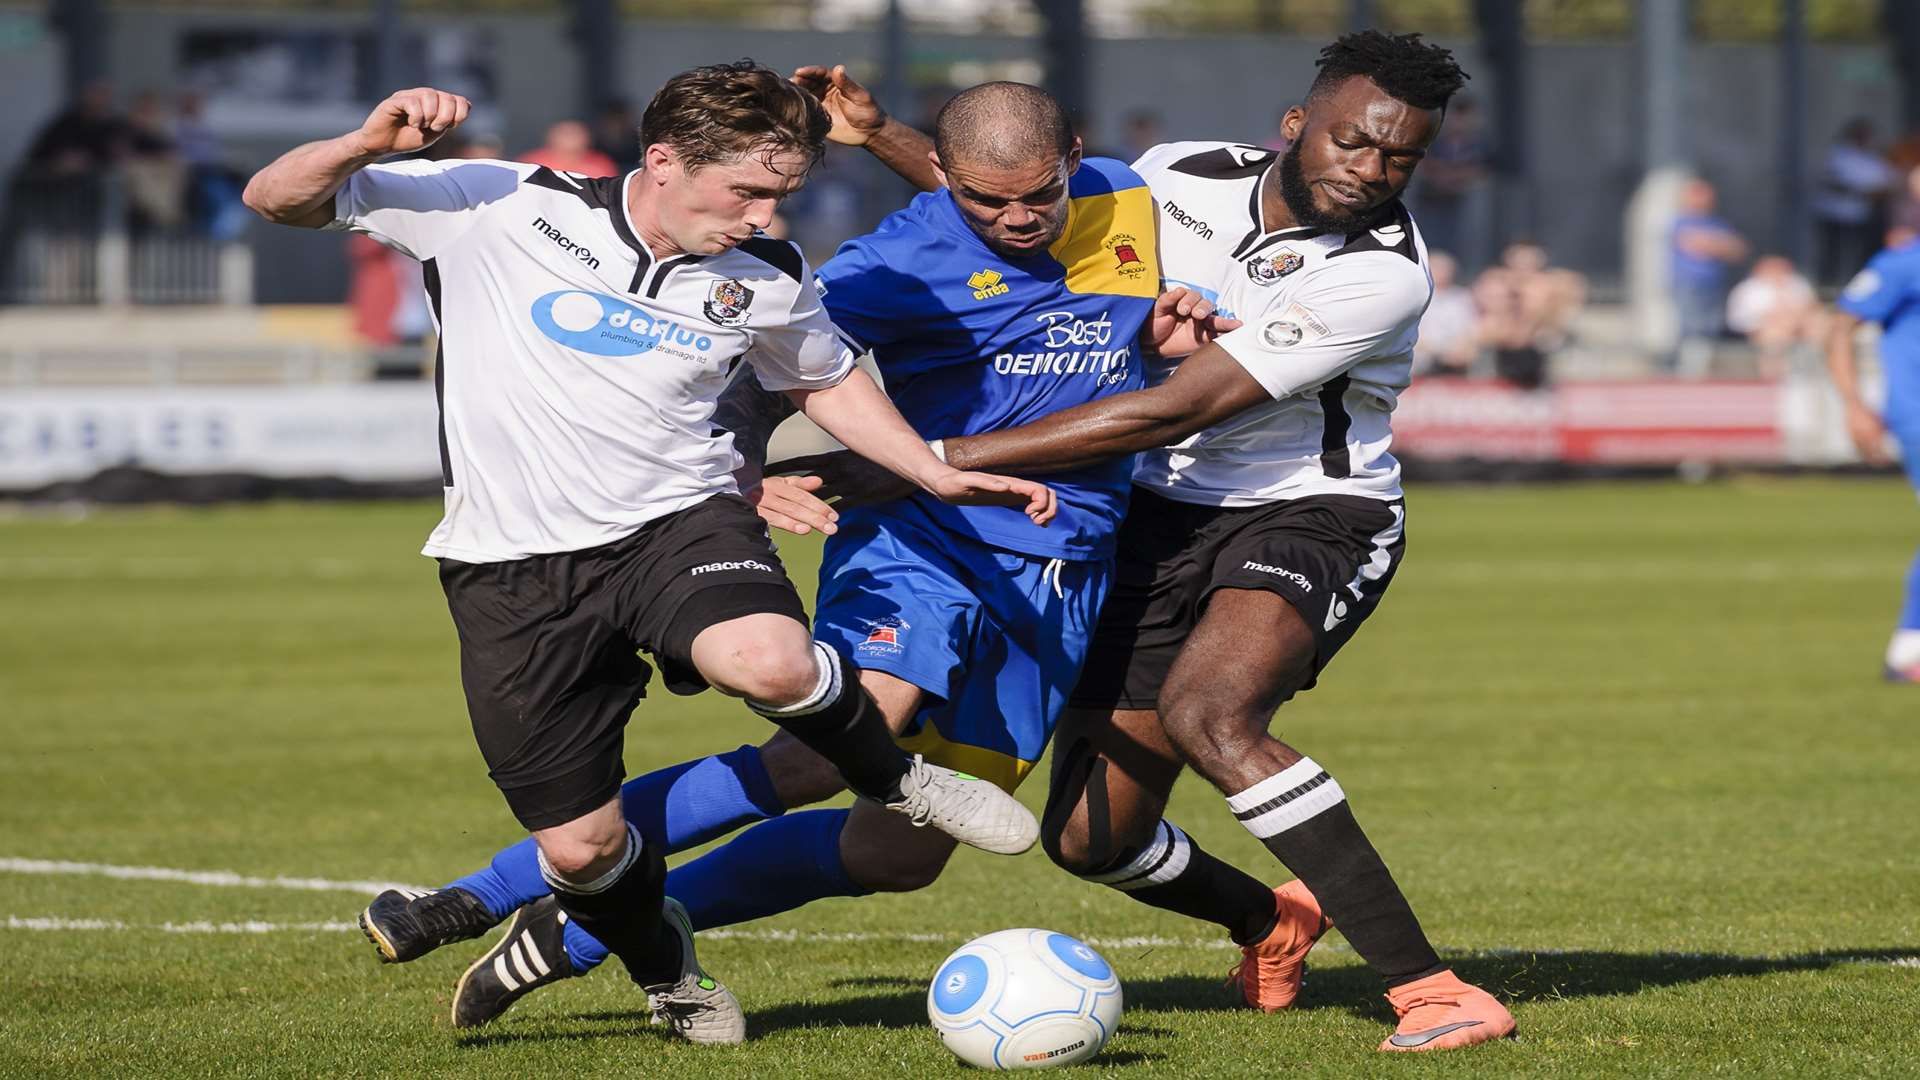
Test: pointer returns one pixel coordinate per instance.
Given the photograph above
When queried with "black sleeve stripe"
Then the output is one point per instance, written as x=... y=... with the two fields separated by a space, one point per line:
x=430 y=277
x=1225 y=164
x=1335 y=458
x=780 y=254
x=596 y=192
x=1394 y=232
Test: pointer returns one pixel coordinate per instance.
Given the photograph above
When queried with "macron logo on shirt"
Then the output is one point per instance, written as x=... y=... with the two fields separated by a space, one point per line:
x=554 y=234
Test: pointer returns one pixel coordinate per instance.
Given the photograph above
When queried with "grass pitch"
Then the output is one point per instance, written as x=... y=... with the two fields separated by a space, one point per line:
x=1624 y=747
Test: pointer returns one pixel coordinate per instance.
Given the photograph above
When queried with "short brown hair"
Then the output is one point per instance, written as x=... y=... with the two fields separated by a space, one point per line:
x=724 y=112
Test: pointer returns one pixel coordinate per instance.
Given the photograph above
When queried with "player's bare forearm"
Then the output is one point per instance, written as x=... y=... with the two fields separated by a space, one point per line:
x=1208 y=387
x=298 y=187
x=1840 y=359
x=907 y=151
x=859 y=120
x=858 y=413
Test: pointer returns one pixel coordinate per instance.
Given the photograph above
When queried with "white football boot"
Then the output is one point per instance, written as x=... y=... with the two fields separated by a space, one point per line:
x=967 y=808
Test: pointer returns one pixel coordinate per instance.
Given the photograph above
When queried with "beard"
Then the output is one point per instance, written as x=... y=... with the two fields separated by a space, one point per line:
x=1299 y=197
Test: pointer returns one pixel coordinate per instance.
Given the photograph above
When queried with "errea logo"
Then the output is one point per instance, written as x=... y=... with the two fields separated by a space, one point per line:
x=986 y=284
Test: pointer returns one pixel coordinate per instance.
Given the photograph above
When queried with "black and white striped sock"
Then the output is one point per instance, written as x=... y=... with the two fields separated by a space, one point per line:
x=840 y=721
x=1172 y=873
x=1302 y=816
x=622 y=908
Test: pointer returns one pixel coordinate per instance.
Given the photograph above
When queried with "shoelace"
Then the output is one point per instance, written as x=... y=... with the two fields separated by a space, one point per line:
x=1447 y=1000
x=1233 y=977
x=678 y=1012
x=439 y=914
x=917 y=808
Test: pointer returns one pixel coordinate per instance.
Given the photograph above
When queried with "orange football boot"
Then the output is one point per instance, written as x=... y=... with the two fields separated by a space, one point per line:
x=1440 y=1012
x=1269 y=973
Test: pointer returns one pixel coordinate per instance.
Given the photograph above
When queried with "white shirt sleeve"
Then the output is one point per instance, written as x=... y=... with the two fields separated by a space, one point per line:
x=1346 y=311
x=805 y=352
x=419 y=207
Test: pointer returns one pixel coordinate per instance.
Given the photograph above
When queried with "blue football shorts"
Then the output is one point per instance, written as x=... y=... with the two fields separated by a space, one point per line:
x=995 y=638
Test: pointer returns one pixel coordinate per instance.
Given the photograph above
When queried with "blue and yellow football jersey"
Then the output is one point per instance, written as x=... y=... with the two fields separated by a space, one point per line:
x=970 y=342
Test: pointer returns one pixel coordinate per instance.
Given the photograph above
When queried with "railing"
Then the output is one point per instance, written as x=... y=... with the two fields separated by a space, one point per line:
x=83 y=240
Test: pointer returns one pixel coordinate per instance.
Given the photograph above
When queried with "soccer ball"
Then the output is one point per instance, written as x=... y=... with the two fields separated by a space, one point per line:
x=1024 y=999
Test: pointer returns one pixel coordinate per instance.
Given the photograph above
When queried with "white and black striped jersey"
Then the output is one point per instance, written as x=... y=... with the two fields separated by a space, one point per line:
x=578 y=373
x=1330 y=321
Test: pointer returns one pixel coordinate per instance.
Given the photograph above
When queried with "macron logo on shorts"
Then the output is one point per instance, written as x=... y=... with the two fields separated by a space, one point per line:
x=1281 y=571
x=745 y=564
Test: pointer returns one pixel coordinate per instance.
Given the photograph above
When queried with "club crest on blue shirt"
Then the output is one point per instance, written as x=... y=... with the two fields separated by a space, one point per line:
x=727 y=303
x=1128 y=263
x=884 y=635
x=1266 y=271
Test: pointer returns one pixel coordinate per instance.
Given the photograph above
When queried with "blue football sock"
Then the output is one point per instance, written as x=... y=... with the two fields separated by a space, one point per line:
x=678 y=807
x=768 y=869
x=683 y=806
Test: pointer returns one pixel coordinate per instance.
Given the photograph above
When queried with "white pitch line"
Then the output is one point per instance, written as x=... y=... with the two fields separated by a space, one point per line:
x=249 y=926
x=218 y=878
x=229 y=879
x=811 y=937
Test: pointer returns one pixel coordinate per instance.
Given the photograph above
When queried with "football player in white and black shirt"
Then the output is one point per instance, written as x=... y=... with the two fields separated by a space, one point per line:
x=1266 y=523
x=587 y=327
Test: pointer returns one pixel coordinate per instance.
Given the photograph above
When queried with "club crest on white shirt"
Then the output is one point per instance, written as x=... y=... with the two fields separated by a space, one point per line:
x=1269 y=269
x=727 y=302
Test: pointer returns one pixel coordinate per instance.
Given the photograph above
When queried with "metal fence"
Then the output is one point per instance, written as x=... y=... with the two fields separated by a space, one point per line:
x=108 y=239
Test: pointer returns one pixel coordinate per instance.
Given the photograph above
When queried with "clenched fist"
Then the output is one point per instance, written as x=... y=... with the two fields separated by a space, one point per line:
x=411 y=120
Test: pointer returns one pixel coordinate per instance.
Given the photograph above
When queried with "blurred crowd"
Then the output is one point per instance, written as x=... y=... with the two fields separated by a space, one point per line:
x=1501 y=314
x=1726 y=295
x=168 y=164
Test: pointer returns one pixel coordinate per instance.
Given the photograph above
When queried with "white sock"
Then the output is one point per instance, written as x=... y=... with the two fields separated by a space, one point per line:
x=1903 y=651
x=826 y=690
x=1289 y=797
x=604 y=881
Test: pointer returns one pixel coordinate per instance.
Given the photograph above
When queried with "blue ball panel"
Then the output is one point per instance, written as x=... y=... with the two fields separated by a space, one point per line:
x=959 y=985
x=1079 y=957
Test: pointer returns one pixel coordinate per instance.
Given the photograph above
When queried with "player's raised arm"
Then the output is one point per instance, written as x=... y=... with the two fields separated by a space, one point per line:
x=858 y=120
x=298 y=187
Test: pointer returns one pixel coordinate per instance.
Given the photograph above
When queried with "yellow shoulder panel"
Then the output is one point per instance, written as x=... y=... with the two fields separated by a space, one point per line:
x=1108 y=246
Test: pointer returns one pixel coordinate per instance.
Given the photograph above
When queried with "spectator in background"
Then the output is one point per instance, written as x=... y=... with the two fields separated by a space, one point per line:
x=1705 y=249
x=156 y=173
x=569 y=148
x=1527 y=308
x=1775 y=309
x=1451 y=175
x=86 y=137
x=1449 y=340
x=485 y=144
x=1140 y=132
x=616 y=134
x=213 y=187
x=1906 y=207
x=1854 y=184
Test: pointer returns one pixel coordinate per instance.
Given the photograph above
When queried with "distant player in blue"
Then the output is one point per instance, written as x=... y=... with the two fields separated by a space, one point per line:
x=1021 y=288
x=1887 y=292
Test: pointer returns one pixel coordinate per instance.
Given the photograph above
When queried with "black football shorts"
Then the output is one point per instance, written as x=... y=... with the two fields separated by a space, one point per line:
x=549 y=644
x=1330 y=556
